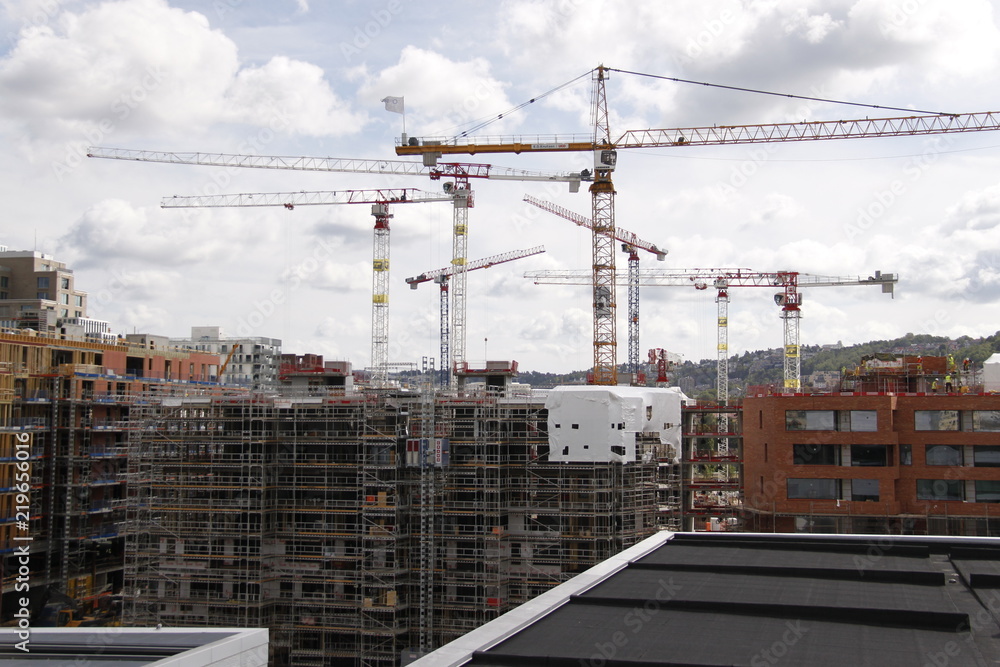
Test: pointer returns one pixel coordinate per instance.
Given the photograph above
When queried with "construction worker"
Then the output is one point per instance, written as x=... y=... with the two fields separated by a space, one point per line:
x=934 y=385
x=965 y=364
x=947 y=383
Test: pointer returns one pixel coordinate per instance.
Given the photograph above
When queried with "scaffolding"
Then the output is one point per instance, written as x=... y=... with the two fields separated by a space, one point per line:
x=362 y=525
x=711 y=468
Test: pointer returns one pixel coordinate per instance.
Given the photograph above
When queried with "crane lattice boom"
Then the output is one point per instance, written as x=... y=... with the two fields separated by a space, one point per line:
x=346 y=165
x=483 y=263
x=622 y=235
x=304 y=198
x=714 y=135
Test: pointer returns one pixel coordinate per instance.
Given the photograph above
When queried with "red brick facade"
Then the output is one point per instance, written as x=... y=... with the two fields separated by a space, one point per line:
x=873 y=463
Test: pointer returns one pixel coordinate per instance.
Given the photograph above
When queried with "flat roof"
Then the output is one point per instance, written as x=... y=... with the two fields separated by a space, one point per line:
x=134 y=647
x=753 y=599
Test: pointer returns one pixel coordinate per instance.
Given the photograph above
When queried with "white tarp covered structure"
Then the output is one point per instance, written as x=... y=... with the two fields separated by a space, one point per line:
x=597 y=423
x=991 y=373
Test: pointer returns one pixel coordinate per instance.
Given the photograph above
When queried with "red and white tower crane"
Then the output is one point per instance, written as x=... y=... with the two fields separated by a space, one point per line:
x=604 y=148
x=380 y=201
x=458 y=187
x=788 y=298
x=441 y=277
x=631 y=244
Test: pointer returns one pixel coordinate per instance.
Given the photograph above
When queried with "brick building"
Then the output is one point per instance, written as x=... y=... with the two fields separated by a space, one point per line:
x=873 y=462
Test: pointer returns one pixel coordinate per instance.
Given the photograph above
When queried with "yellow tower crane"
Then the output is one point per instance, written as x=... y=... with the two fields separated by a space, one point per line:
x=605 y=148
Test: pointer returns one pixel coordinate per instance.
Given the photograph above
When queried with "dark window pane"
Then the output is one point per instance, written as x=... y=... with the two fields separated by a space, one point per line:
x=814 y=488
x=987 y=491
x=864 y=489
x=986 y=456
x=819 y=455
x=939 y=489
x=943 y=455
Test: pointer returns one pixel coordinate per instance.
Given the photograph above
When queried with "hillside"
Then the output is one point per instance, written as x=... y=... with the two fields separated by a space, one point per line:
x=765 y=366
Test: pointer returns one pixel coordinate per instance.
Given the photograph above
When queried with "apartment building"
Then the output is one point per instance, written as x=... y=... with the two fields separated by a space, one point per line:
x=65 y=415
x=248 y=360
x=36 y=291
x=362 y=525
x=873 y=462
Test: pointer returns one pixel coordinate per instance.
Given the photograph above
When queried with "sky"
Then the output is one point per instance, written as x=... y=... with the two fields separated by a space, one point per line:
x=305 y=78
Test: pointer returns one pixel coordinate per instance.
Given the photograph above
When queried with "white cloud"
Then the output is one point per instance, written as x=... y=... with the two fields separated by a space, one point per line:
x=116 y=69
x=442 y=95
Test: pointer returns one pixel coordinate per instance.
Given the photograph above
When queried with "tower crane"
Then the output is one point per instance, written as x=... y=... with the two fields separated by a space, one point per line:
x=459 y=187
x=441 y=276
x=722 y=280
x=631 y=244
x=380 y=201
x=604 y=149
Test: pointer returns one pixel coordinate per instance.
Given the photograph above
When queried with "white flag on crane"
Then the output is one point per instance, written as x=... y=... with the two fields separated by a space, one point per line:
x=393 y=104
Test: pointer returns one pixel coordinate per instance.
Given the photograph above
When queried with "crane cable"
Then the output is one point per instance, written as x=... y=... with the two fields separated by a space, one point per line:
x=492 y=119
x=789 y=95
x=487 y=120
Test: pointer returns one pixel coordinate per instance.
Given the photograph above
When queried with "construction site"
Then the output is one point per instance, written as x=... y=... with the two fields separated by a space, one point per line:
x=370 y=525
x=366 y=517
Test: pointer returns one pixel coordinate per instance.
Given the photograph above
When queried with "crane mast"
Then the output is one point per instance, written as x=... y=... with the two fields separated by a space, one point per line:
x=380 y=201
x=462 y=195
x=602 y=192
x=631 y=244
x=602 y=189
x=790 y=300
x=442 y=276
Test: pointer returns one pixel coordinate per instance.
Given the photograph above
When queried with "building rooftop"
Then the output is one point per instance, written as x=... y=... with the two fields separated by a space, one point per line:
x=136 y=647
x=759 y=599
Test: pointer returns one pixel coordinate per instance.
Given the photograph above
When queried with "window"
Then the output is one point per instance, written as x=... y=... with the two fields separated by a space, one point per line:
x=859 y=420
x=813 y=488
x=818 y=455
x=43 y=282
x=935 y=420
x=905 y=455
x=4 y=281
x=864 y=489
x=943 y=455
x=64 y=283
x=986 y=420
x=64 y=298
x=809 y=420
x=940 y=489
x=986 y=456
x=987 y=491
x=831 y=420
x=42 y=295
x=78 y=301
x=63 y=312
x=869 y=455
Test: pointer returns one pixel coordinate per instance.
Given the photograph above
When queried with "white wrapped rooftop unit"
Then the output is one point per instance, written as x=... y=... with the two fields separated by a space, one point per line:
x=991 y=373
x=600 y=423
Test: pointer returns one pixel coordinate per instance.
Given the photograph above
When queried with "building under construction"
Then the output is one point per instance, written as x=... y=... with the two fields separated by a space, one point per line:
x=366 y=526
